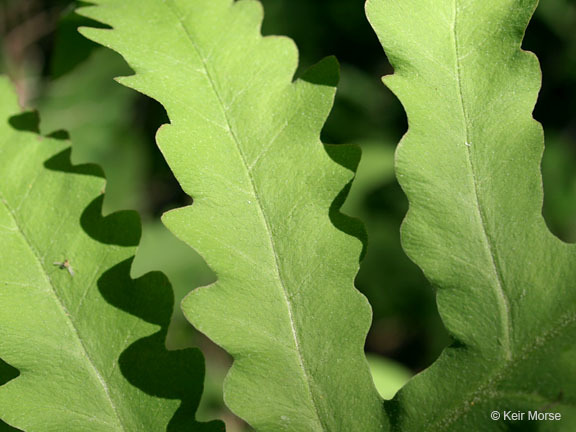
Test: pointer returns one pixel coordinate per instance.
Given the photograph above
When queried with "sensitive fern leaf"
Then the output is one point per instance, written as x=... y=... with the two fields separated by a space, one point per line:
x=244 y=142
x=470 y=167
x=86 y=340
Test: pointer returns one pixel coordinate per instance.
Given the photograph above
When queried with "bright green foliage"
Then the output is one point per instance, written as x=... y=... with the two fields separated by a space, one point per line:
x=470 y=167
x=244 y=142
x=86 y=340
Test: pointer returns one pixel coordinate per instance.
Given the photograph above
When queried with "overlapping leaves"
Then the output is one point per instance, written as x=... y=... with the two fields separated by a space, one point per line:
x=244 y=143
x=85 y=342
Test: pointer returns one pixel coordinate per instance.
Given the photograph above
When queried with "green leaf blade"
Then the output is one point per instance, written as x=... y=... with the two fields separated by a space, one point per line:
x=470 y=165
x=87 y=340
x=244 y=142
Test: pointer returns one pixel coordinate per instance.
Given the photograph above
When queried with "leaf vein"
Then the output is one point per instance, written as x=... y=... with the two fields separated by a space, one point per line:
x=503 y=303
x=277 y=267
x=65 y=311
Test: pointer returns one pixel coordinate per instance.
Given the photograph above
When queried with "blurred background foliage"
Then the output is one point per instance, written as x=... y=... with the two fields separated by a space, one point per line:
x=69 y=80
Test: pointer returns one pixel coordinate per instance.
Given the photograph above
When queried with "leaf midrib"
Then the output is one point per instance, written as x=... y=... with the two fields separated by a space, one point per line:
x=64 y=309
x=545 y=338
x=499 y=372
x=503 y=303
x=277 y=267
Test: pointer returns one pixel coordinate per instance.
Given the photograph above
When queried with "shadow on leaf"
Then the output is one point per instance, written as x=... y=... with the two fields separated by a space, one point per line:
x=146 y=363
x=28 y=121
x=61 y=162
x=120 y=228
x=7 y=373
x=347 y=156
x=327 y=73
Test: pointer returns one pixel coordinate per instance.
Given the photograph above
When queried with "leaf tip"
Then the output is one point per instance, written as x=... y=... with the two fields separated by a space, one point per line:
x=326 y=72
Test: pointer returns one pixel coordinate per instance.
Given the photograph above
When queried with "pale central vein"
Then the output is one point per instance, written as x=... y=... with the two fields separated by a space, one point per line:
x=68 y=317
x=277 y=267
x=503 y=304
x=487 y=390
